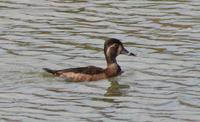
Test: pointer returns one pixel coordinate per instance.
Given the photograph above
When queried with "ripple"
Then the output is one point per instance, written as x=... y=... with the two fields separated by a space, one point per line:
x=160 y=84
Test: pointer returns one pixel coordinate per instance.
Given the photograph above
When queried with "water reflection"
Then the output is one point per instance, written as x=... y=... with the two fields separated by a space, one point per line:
x=160 y=84
x=115 y=89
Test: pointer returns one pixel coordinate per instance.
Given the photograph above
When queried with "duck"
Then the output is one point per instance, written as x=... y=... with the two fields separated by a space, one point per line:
x=112 y=48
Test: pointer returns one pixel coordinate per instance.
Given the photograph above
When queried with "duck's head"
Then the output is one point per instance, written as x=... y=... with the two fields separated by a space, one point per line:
x=112 y=48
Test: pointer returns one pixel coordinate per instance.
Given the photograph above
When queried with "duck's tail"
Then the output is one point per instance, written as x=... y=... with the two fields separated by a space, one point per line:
x=54 y=72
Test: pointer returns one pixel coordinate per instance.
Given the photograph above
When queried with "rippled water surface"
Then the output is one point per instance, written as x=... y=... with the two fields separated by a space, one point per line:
x=161 y=84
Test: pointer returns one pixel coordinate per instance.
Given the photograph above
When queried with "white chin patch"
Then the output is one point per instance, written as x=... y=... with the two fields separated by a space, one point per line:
x=119 y=50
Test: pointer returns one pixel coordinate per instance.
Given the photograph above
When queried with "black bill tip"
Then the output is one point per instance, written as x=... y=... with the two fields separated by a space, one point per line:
x=126 y=52
x=131 y=54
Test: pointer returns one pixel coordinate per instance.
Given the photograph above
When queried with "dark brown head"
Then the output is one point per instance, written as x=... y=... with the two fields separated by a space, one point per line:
x=112 y=48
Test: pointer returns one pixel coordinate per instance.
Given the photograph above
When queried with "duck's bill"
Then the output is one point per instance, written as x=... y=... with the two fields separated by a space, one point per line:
x=126 y=52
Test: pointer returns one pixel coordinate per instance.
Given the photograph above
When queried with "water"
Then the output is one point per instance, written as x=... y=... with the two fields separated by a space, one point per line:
x=161 y=84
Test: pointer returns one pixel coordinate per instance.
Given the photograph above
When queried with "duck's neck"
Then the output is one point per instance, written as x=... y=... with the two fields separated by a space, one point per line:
x=110 y=60
x=113 y=69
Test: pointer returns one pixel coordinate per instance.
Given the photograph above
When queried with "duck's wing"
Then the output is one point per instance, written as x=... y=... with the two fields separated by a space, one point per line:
x=89 y=70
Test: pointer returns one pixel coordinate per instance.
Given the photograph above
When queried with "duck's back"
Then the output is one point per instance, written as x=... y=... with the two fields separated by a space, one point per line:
x=89 y=73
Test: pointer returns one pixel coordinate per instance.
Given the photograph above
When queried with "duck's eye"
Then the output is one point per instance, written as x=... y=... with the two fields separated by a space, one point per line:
x=116 y=47
x=112 y=49
x=113 y=46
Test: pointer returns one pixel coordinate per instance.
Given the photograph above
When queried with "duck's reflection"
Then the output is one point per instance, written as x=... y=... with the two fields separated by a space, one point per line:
x=115 y=88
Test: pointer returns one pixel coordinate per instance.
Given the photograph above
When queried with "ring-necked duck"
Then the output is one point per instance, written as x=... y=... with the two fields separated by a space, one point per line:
x=112 y=48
